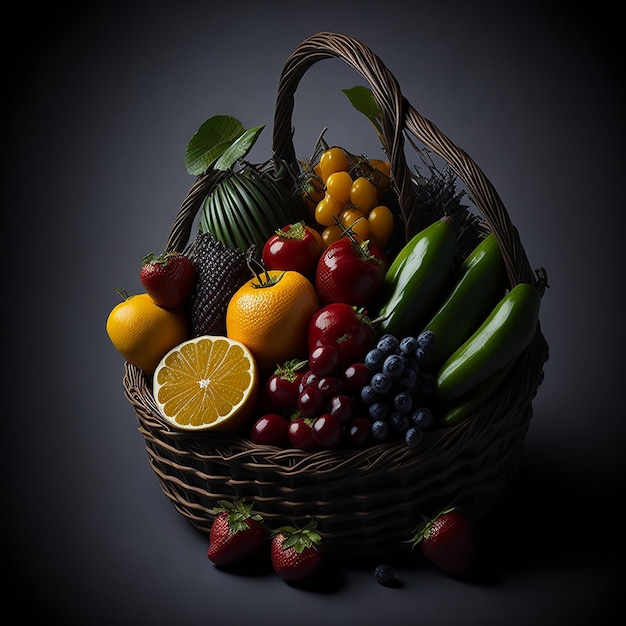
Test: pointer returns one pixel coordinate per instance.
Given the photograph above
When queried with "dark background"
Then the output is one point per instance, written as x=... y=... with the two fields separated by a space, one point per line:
x=99 y=105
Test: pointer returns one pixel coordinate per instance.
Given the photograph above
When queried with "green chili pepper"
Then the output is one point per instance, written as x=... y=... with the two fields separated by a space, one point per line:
x=503 y=336
x=415 y=280
x=481 y=283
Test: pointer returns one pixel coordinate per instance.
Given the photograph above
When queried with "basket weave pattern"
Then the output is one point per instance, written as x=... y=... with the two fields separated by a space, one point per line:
x=367 y=500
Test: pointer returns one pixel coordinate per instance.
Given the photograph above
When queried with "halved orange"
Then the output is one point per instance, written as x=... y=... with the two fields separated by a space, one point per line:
x=208 y=382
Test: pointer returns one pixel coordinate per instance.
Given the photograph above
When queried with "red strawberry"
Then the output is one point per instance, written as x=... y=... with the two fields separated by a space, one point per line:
x=297 y=553
x=168 y=278
x=446 y=541
x=236 y=533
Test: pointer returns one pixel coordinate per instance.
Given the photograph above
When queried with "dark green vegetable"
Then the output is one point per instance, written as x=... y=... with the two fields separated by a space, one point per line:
x=415 y=280
x=481 y=284
x=476 y=398
x=503 y=336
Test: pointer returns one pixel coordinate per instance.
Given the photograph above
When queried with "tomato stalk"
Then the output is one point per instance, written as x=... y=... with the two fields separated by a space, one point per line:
x=258 y=269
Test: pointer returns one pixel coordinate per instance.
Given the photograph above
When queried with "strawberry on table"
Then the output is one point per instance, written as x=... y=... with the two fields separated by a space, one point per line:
x=237 y=533
x=168 y=278
x=446 y=541
x=297 y=554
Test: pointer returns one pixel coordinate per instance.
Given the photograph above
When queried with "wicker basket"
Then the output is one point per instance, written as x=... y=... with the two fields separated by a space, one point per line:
x=365 y=501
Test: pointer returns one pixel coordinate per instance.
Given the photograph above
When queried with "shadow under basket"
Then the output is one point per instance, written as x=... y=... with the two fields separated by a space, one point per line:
x=366 y=501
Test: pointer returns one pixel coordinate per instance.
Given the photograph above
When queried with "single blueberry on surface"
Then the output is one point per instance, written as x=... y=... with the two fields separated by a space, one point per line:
x=383 y=574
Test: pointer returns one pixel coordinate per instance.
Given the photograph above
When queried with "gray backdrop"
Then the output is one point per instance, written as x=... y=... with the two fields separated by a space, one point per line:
x=99 y=106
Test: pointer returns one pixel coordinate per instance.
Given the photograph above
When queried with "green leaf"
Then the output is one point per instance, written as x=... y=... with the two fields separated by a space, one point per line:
x=210 y=141
x=362 y=99
x=239 y=148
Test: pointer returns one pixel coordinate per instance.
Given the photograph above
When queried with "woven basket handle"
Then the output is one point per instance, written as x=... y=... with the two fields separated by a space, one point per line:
x=398 y=118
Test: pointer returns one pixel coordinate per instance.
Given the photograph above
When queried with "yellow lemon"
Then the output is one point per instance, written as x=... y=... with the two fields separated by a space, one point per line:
x=142 y=332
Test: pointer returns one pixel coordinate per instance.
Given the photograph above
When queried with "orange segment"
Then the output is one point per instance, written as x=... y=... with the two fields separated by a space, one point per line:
x=208 y=382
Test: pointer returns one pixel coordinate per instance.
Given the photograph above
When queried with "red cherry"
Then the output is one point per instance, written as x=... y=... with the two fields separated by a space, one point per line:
x=311 y=401
x=355 y=377
x=327 y=431
x=301 y=435
x=270 y=430
x=358 y=432
x=324 y=360
x=309 y=379
x=330 y=386
x=341 y=407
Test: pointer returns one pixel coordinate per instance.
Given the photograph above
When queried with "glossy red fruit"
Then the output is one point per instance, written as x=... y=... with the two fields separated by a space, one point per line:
x=350 y=272
x=270 y=430
x=446 y=541
x=330 y=386
x=294 y=247
x=168 y=278
x=297 y=554
x=358 y=432
x=341 y=407
x=326 y=431
x=301 y=436
x=355 y=377
x=283 y=385
x=346 y=328
x=312 y=401
x=236 y=533
x=324 y=360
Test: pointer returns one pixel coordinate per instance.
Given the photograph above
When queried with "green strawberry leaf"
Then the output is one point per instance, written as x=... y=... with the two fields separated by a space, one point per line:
x=211 y=140
x=238 y=149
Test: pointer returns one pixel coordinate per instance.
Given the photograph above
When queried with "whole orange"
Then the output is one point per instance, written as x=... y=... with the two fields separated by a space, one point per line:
x=142 y=332
x=270 y=314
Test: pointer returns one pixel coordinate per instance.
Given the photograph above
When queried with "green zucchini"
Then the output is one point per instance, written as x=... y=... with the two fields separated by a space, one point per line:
x=503 y=336
x=416 y=278
x=481 y=283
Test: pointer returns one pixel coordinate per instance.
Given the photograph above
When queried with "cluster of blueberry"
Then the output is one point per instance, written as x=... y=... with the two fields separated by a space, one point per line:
x=398 y=386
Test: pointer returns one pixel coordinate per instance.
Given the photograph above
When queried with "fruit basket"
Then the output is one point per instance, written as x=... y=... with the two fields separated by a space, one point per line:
x=364 y=500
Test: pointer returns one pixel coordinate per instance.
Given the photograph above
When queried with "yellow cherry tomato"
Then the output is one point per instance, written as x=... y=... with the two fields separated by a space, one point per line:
x=327 y=209
x=338 y=185
x=380 y=220
x=331 y=234
x=333 y=160
x=363 y=194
